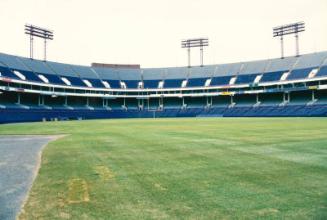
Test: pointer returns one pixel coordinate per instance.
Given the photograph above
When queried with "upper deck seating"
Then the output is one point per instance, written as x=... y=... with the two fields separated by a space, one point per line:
x=5 y=72
x=96 y=83
x=322 y=71
x=173 y=83
x=131 y=84
x=114 y=84
x=219 y=81
x=272 y=76
x=53 y=79
x=244 y=73
x=299 y=73
x=75 y=81
x=151 y=84
x=242 y=79
x=196 y=82
x=30 y=76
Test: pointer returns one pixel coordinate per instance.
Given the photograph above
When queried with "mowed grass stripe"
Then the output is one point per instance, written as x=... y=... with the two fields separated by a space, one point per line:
x=182 y=169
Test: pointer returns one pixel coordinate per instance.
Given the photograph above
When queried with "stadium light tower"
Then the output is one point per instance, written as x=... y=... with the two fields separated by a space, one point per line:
x=34 y=31
x=294 y=28
x=198 y=42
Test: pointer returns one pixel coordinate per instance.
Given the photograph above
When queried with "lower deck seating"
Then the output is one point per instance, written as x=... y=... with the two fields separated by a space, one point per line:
x=15 y=113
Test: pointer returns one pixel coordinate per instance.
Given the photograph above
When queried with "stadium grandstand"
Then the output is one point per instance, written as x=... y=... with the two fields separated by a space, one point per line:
x=35 y=90
x=163 y=110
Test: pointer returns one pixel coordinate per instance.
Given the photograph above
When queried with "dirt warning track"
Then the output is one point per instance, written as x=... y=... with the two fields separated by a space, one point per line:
x=19 y=163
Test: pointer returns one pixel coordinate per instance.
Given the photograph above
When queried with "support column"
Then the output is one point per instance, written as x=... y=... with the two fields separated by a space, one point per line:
x=313 y=95
x=282 y=46
x=148 y=103
x=201 y=56
x=31 y=46
x=18 y=98
x=161 y=101
x=297 y=50
x=45 y=49
x=189 y=57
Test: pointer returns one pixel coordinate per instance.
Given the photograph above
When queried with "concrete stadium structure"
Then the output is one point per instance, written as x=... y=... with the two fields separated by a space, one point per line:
x=34 y=90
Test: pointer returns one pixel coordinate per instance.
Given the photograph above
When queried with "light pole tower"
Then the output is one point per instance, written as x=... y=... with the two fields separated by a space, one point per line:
x=198 y=42
x=294 y=28
x=34 y=31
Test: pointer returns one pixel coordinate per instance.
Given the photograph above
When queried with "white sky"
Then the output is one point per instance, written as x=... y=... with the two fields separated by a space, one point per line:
x=148 y=32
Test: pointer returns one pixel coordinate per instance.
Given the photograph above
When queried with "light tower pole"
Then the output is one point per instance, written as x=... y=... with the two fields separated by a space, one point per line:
x=198 y=42
x=294 y=28
x=34 y=31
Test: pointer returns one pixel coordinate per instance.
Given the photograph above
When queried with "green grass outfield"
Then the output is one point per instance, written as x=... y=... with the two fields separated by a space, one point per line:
x=199 y=168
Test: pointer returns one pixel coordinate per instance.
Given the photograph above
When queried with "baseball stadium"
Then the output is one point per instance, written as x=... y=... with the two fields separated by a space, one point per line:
x=230 y=140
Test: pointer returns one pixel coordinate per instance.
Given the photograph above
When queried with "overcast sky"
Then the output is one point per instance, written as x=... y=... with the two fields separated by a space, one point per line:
x=148 y=32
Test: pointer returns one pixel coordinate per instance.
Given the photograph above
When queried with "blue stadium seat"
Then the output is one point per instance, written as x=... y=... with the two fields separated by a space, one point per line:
x=242 y=79
x=7 y=73
x=96 y=83
x=30 y=76
x=219 y=81
x=131 y=84
x=272 y=76
x=299 y=73
x=196 y=82
x=173 y=83
x=75 y=81
x=322 y=71
x=114 y=84
x=17 y=113
x=53 y=79
x=151 y=84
